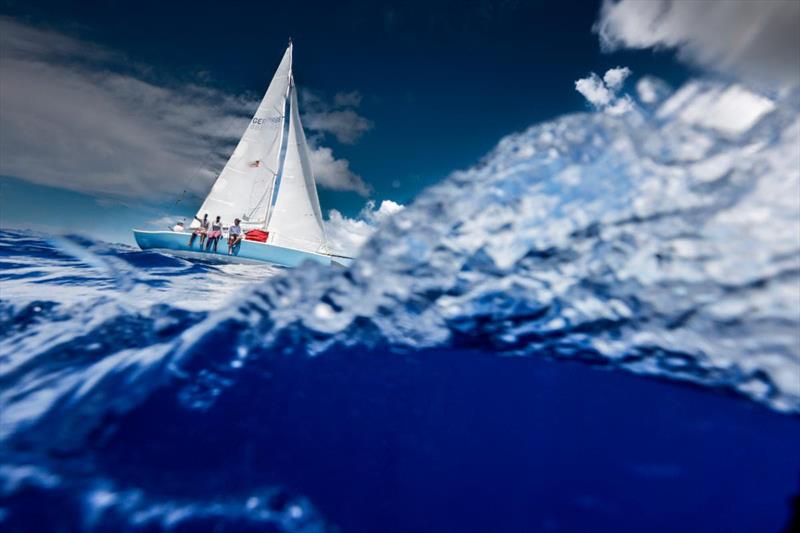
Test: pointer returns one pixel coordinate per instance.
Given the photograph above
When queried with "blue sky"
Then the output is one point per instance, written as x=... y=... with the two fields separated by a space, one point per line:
x=396 y=96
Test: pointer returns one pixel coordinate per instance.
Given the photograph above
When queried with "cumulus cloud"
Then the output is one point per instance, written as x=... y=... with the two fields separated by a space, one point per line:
x=347 y=235
x=728 y=110
x=652 y=90
x=335 y=173
x=346 y=125
x=602 y=93
x=339 y=118
x=81 y=117
x=754 y=39
x=620 y=106
x=615 y=77
x=594 y=90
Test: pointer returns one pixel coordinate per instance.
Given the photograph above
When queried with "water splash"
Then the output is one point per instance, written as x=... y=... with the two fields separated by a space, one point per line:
x=663 y=243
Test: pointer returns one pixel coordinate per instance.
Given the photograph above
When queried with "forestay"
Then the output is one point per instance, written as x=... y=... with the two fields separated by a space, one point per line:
x=244 y=187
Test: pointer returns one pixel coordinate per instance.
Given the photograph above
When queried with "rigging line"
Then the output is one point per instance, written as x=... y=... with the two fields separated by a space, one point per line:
x=261 y=199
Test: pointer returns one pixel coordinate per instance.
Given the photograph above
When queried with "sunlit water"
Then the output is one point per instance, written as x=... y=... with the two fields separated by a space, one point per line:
x=474 y=369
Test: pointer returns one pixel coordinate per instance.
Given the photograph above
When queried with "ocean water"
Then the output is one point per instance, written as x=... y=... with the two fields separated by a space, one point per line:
x=594 y=329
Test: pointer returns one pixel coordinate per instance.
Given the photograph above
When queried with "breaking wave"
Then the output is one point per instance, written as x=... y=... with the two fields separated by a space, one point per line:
x=664 y=242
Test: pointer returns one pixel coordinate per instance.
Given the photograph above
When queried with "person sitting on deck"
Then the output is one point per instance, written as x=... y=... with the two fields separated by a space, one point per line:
x=178 y=227
x=234 y=235
x=214 y=235
x=201 y=230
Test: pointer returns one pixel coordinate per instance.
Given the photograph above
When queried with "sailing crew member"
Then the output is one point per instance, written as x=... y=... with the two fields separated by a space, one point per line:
x=215 y=234
x=200 y=230
x=178 y=227
x=234 y=235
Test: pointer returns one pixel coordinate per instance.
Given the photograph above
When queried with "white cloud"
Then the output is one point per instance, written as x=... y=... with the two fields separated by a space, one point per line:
x=602 y=93
x=620 y=106
x=339 y=118
x=615 y=77
x=652 y=90
x=71 y=122
x=730 y=111
x=347 y=235
x=756 y=39
x=384 y=211
x=335 y=173
x=346 y=125
x=80 y=117
x=594 y=90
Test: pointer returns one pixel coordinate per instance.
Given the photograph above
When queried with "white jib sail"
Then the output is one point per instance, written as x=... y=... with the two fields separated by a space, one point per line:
x=296 y=219
x=244 y=187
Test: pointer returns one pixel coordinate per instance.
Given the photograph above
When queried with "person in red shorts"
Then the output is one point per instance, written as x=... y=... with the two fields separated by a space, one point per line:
x=200 y=230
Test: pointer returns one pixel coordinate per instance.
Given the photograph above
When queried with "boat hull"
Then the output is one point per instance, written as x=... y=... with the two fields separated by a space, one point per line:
x=245 y=252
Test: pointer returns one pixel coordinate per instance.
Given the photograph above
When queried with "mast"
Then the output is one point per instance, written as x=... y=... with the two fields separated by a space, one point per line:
x=296 y=218
x=282 y=154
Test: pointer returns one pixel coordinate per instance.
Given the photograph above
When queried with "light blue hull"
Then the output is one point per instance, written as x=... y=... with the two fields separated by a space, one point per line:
x=246 y=251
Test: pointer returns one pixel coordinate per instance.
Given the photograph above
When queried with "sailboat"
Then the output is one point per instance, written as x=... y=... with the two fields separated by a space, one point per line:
x=269 y=185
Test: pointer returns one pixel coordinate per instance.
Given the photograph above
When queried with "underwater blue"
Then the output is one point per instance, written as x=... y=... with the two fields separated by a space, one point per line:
x=594 y=329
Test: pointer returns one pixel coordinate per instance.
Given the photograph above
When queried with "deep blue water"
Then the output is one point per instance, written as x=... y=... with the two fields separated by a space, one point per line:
x=444 y=442
x=586 y=332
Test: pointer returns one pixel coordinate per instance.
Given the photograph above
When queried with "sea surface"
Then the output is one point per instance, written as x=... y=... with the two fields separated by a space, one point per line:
x=594 y=329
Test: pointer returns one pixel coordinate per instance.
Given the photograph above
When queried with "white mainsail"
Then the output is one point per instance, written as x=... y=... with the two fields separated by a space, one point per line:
x=244 y=187
x=296 y=218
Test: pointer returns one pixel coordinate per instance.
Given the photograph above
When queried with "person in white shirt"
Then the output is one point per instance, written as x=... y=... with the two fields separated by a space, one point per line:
x=234 y=235
x=178 y=227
